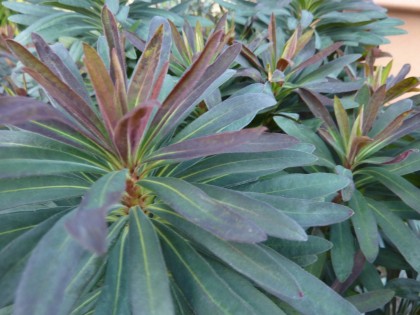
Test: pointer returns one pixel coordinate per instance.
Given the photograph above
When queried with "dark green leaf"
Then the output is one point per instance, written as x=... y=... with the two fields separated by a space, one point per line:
x=260 y=303
x=113 y=299
x=14 y=257
x=307 y=213
x=317 y=298
x=87 y=224
x=39 y=189
x=406 y=241
x=365 y=227
x=343 y=251
x=148 y=280
x=268 y=218
x=205 y=290
x=195 y=205
x=250 y=260
x=313 y=246
x=408 y=193
x=405 y=288
x=370 y=301
x=304 y=186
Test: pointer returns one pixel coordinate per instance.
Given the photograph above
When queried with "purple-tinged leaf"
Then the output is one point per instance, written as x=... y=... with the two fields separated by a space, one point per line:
x=178 y=108
x=391 y=131
x=221 y=24
x=130 y=129
x=189 y=80
x=57 y=65
x=272 y=38
x=145 y=73
x=251 y=58
x=104 y=88
x=179 y=43
x=188 y=32
x=120 y=92
x=401 y=88
x=401 y=157
x=16 y=110
x=318 y=57
x=159 y=81
x=165 y=51
x=246 y=140
x=113 y=38
x=70 y=101
x=400 y=76
x=317 y=107
x=290 y=48
x=372 y=109
x=135 y=40
x=88 y=224
x=197 y=207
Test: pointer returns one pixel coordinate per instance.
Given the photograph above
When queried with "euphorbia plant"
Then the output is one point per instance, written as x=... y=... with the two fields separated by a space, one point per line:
x=119 y=204
x=363 y=142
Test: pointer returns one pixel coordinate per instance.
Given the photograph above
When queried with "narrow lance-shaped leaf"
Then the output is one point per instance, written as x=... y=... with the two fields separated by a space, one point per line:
x=104 y=88
x=87 y=224
x=113 y=38
x=148 y=283
x=69 y=274
x=193 y=75
x=71 y=102
x=370 y=301
x=317 y=108
x=207 y=292
x=58 y=66
x=130 y=129
x=372 y=109
x=318 y=57
x=402 y=87
x=146 y=71
x=246 y=140
x=365 y=227
x=113 y=299
x=408 y=193
x=250 y=260
x=397 y=231
x=270 y=219
x=15 y=110
x=342 y=120
x=196 y=206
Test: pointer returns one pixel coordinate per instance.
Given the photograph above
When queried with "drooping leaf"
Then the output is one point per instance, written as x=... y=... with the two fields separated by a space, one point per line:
x=398 y=232
x=365 y=226
x=148 y=281
x=14 y=257
x=303 y=186
x=113 y=299
x=249 y=260
x=317 y=297
x=307 y=212
x=408 y=193
x=260 y=303
x=196 y=206
x=87 y=224
x=343 y=251
x=39 y=189
x=205 y=290
x=270 y=219
x=68 y=275
x=370 y=301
